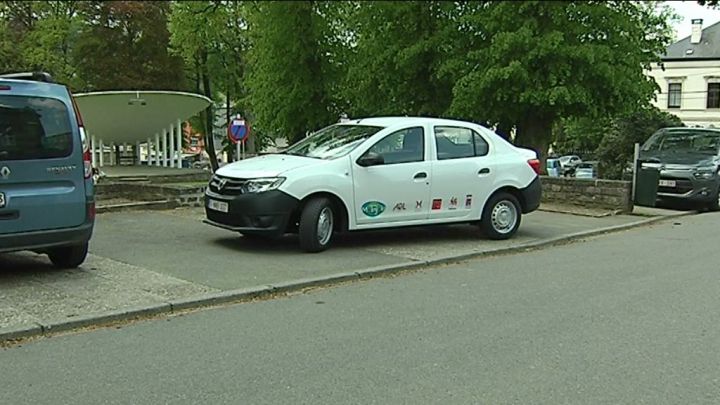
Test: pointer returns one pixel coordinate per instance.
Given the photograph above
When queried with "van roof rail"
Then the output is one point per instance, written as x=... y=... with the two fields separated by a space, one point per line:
x=32 y=76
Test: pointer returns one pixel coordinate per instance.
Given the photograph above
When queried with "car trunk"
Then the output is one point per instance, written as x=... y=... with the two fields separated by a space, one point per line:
x=41 y=168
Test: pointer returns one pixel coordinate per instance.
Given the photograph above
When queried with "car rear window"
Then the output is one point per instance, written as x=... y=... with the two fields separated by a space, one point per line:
x=34 y=128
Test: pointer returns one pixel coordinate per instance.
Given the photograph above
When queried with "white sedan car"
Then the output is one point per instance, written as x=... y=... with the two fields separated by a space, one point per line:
x=378 y=173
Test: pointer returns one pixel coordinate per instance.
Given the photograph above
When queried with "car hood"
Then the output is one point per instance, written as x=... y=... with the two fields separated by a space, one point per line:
x=265 y=166
x=684 y=159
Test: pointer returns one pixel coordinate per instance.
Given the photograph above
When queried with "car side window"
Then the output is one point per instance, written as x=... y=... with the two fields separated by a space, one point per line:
x=403 y=146
x=456 y=143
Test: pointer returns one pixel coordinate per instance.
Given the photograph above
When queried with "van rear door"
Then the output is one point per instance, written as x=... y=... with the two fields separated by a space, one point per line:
x=41 y=166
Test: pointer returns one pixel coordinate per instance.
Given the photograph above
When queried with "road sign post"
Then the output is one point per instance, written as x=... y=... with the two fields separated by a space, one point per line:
x=238 y=133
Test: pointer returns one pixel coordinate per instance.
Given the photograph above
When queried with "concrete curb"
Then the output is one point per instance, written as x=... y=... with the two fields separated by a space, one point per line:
x=267 y=291
x=143 y=205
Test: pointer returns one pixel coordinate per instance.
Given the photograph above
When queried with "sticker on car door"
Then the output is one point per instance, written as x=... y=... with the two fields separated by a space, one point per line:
x=2 y=200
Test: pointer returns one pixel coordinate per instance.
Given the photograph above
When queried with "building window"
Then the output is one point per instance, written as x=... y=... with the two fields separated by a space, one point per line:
x=674 y=95
x=713 y=95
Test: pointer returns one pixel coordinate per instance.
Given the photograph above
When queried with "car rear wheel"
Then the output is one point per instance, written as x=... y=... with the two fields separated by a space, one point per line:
x=501 y=216
x=317 y=222
x=68 y=257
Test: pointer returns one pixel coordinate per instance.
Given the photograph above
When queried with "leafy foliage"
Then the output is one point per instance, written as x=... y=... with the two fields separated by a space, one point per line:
x=615 y=151
x=288 y=76
x=535 y=62
x=123 y=45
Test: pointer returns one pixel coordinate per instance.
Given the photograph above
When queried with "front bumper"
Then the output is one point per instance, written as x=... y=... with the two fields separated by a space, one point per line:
x=688 y=188
x=265 y=213
x=42 y=240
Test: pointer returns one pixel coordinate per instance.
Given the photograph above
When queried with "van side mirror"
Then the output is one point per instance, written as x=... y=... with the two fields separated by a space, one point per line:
x=371 y=159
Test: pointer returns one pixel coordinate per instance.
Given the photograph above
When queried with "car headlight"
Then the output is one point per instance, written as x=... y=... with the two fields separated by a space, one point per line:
x=705 y=174
x=262 y=185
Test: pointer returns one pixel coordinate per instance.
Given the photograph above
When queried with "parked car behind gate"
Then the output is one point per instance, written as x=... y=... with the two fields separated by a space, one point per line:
x=47 y=200
x=378 y=173
x=689 y=164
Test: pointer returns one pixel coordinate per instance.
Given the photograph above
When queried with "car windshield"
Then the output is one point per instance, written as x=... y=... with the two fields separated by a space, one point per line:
x=687 y=140
x=333 y=141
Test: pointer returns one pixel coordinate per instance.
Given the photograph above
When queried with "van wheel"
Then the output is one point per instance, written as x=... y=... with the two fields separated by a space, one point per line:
x=317 y=221
x=501 y=216
x=68 y=257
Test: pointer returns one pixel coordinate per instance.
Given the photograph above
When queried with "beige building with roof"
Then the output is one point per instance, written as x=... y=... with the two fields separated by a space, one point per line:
x=689 y=77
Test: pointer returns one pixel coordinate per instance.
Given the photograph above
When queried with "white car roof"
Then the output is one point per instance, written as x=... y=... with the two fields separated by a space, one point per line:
x=394 y=121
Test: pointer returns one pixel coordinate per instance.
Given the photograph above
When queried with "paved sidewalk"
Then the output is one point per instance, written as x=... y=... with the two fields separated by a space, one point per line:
x=146 y=258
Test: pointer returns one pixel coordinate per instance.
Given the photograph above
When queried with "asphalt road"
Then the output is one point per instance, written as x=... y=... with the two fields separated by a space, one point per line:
x=628 y=318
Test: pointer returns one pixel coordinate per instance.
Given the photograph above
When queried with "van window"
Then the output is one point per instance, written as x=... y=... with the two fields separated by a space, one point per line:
x=34 y=128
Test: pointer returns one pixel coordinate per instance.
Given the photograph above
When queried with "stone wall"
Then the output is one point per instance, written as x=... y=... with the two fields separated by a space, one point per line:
x=591 y=193
x=182 y=195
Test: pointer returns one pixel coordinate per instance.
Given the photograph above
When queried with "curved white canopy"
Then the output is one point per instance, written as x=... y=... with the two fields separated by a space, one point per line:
x=134 y=116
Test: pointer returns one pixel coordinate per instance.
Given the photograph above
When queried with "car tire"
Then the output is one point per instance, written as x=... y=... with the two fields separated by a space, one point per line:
x=68 y=257
x=317 y=221
x=714 y=205
x=501 y=216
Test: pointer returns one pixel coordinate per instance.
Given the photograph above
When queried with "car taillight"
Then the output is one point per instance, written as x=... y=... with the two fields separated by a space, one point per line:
x=535 y=164
x=87 y=158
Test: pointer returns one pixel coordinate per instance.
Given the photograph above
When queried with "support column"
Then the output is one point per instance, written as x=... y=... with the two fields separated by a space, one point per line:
x=113 y=154
x=148 y=148
x=171 y=146
x=156 y=160
x=102 y=153
x=164 y=148
x=93 y=146
x=179 y=134
x=138 y=158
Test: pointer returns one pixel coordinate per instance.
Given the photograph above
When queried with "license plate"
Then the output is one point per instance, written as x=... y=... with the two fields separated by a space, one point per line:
x=2 y=200
x=667 y=183
x=218 y=205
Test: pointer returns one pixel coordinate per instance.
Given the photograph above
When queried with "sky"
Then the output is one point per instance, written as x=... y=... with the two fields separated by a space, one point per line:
x=689 y=10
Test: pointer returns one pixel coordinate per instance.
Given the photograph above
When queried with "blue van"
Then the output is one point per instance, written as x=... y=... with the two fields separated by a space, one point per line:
x=47 y=202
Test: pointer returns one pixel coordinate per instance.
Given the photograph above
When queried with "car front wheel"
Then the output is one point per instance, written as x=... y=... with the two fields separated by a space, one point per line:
x=714 y=205
x=501 y=216
x=317 y=221
x=68 y=257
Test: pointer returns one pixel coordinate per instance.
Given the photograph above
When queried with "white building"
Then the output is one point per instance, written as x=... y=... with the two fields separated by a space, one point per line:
x=689 y=77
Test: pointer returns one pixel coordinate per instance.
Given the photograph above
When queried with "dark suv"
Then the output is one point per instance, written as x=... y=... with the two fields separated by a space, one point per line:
x=689 y=164
x=47 y=202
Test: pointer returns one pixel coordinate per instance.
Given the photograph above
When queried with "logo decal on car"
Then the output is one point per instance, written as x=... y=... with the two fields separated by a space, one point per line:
x=399 y=206
x=418 y=205
x=437 y=204
x=373 y=208
x=453 y=203
x=5 y=172
x=468 y=201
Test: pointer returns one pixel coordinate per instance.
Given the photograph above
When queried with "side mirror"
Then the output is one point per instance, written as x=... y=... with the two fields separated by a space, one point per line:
x=371 y=159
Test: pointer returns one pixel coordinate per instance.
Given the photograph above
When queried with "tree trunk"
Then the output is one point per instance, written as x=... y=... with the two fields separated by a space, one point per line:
x=503 y=129
x=209 y=116
x=535 y=133
x=228 y=118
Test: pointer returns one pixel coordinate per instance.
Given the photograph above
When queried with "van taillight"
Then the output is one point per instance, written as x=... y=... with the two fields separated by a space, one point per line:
x=535 y=164
x=87 y=158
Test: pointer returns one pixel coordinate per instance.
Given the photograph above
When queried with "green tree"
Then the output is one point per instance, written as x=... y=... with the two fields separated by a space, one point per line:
x=397 y=49
x=615 y=151
x=211 y=37
x=538 y=61
x=289 y=72
x=48 y=46
x=124 y=45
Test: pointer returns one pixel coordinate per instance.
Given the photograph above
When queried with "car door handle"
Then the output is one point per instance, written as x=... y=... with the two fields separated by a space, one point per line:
x=421 y=175
x=484 y=171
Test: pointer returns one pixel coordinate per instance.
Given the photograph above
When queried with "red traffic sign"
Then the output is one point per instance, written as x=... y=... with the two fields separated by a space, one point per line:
x=238 y=130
